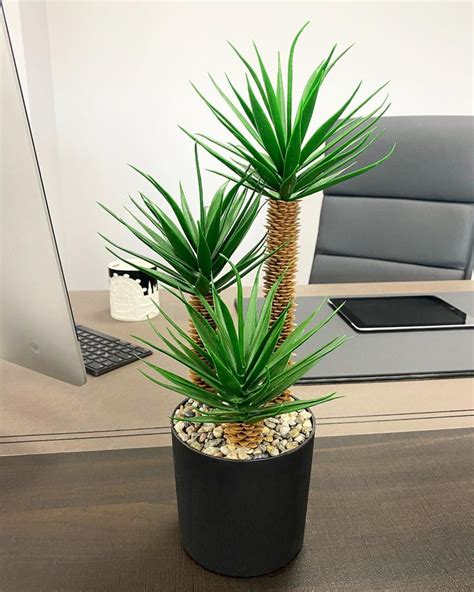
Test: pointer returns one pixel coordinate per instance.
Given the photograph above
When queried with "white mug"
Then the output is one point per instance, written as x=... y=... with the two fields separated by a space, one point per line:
x=132 y=292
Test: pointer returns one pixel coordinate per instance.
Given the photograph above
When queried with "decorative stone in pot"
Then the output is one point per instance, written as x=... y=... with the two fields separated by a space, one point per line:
x=242 y=517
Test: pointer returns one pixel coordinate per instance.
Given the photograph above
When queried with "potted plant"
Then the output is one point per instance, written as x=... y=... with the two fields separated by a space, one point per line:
x=288 y=159
x=190 y=254
x=242 y=461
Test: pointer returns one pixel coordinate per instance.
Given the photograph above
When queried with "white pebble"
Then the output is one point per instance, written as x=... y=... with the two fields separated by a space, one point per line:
x=243 y=455
x=217 y=432
x=272 y=451
x=211 y=450
x=284 y=429
x=243 y=449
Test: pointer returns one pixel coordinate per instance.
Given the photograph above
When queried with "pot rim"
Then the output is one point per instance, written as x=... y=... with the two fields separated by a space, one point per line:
x=223 y=458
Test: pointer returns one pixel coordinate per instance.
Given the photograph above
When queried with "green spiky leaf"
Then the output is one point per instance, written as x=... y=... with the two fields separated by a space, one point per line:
x=276 y=144
x=191 y=254
x=243 y=363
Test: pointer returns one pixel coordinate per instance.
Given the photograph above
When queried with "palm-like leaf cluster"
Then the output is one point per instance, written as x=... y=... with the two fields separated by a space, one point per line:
x=193 y=253
x=239 y=360
x=273 y=140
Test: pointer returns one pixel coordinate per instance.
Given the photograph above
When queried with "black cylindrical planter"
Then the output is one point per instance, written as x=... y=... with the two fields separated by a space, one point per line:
x=242 y=518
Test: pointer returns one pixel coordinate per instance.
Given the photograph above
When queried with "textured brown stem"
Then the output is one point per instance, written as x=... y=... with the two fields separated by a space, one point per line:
x=283 y=226
x=249 y=435
x=197 y=305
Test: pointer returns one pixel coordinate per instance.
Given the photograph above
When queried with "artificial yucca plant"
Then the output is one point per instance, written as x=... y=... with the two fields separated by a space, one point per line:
x=239 y=360
x=191 y=254
x=287 y=155
x=271 y=136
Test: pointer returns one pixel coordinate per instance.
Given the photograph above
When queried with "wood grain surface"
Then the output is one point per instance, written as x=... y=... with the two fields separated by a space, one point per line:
x=386 y=513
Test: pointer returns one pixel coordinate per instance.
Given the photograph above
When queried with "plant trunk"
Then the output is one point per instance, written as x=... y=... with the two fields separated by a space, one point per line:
x=283 y=226
x=197 y=305
x=249 y=435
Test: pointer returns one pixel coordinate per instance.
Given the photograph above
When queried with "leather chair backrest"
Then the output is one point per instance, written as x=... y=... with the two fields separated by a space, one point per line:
x=411 y=218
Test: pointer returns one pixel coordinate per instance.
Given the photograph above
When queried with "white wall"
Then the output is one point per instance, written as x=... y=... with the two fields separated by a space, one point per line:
x=120 y=74
x=36 y=79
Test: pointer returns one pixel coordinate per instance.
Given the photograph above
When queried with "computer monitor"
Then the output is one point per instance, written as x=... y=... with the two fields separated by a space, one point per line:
x=37 y=328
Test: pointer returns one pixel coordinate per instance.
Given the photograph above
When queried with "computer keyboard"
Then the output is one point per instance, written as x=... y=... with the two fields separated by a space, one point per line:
x=103 y=353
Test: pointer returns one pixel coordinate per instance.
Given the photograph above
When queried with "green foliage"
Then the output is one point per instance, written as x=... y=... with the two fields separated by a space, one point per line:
x=192 y=253
x=273 y=138
x=239 y=359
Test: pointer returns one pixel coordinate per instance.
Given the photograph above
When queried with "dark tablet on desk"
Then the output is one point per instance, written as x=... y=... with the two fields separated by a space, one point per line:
x=401 y=313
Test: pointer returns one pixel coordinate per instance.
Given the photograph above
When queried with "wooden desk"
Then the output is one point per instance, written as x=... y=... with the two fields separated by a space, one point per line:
x=386 y=512
x=123 y=410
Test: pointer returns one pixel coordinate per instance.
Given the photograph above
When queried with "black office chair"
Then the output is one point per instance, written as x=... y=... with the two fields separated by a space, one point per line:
x=411 y=218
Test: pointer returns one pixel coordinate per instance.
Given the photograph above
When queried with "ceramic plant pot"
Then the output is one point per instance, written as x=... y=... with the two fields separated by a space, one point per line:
x=242 y=517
